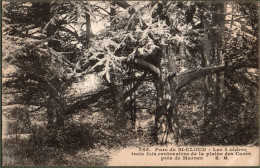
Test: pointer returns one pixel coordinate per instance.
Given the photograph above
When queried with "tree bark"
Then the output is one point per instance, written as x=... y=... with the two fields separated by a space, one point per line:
x=166 y=117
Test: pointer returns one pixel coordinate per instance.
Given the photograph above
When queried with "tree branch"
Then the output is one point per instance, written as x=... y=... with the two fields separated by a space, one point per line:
x=148 y=65
x=192 y=75
x=196 y=74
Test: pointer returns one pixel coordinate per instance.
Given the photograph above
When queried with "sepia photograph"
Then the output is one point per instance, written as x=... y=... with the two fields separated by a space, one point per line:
x=130 y=83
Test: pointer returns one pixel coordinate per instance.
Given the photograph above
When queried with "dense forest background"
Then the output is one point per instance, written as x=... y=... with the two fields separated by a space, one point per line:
x=82 y=79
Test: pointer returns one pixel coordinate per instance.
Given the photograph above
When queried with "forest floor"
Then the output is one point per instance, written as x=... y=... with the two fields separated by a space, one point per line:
x=106 y=142
x=19 y=152
x=94 y=157
x=103 y=155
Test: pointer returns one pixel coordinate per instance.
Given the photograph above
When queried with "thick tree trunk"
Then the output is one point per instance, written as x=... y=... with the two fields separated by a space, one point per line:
x=166 y=118
x=167 y=128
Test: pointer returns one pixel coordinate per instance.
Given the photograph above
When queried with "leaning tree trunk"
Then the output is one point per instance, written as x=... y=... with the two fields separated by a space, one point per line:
x=166 y=117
